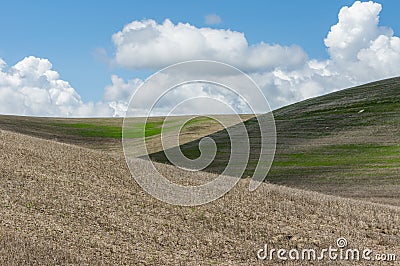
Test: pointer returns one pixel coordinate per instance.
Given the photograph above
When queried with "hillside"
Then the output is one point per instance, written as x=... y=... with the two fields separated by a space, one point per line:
x=345 y=143
x=63 y=204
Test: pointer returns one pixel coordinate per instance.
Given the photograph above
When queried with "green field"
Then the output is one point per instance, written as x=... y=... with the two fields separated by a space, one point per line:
x=92 y=130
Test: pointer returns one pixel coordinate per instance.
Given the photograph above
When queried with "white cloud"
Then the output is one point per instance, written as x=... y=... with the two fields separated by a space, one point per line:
x=359 y=47
x=212 y=19
x=147 y=44
x=382 y=56
x=360 y=51
x=119 y=93
x=119 y=90
x=357 y=27
x=31 y=87
x=2 y=64
x=35 y=89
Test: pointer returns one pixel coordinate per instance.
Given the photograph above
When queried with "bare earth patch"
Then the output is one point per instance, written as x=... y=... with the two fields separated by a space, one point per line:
x=63 y=204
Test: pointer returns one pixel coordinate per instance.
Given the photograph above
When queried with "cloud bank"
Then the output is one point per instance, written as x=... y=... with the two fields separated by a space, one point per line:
x=31 y=87
x=359 y=49
x=148 y=45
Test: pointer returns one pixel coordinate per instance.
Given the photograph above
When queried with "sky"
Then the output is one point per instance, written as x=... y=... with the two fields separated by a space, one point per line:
x=61 y=58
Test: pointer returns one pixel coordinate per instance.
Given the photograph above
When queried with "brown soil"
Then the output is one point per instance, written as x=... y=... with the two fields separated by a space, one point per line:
x=63 y=204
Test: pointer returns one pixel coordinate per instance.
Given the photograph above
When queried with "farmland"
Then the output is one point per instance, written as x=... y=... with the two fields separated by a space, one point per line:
x=69 y=198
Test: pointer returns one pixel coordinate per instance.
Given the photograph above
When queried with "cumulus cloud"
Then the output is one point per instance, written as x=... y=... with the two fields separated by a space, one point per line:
x=212 y=19
x=32 y=87
x=120 y=90
x=119 y=93
x=147 y=44
x=360 y=51
x=359 y=47
x=357 y=27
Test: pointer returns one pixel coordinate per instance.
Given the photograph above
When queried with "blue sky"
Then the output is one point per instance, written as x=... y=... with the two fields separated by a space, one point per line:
x=69 y=34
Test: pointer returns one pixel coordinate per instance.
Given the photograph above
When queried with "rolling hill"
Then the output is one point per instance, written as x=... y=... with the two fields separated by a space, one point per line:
x=345 y=143
x=66 y=199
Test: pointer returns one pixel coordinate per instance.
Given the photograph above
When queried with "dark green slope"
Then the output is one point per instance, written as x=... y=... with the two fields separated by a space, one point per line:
x=344 y=143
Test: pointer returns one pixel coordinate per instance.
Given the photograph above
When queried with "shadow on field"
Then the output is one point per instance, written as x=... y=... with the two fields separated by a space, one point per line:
x=223 y=144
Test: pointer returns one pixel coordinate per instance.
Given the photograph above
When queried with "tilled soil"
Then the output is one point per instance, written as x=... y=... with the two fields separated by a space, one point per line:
x=63 y=204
